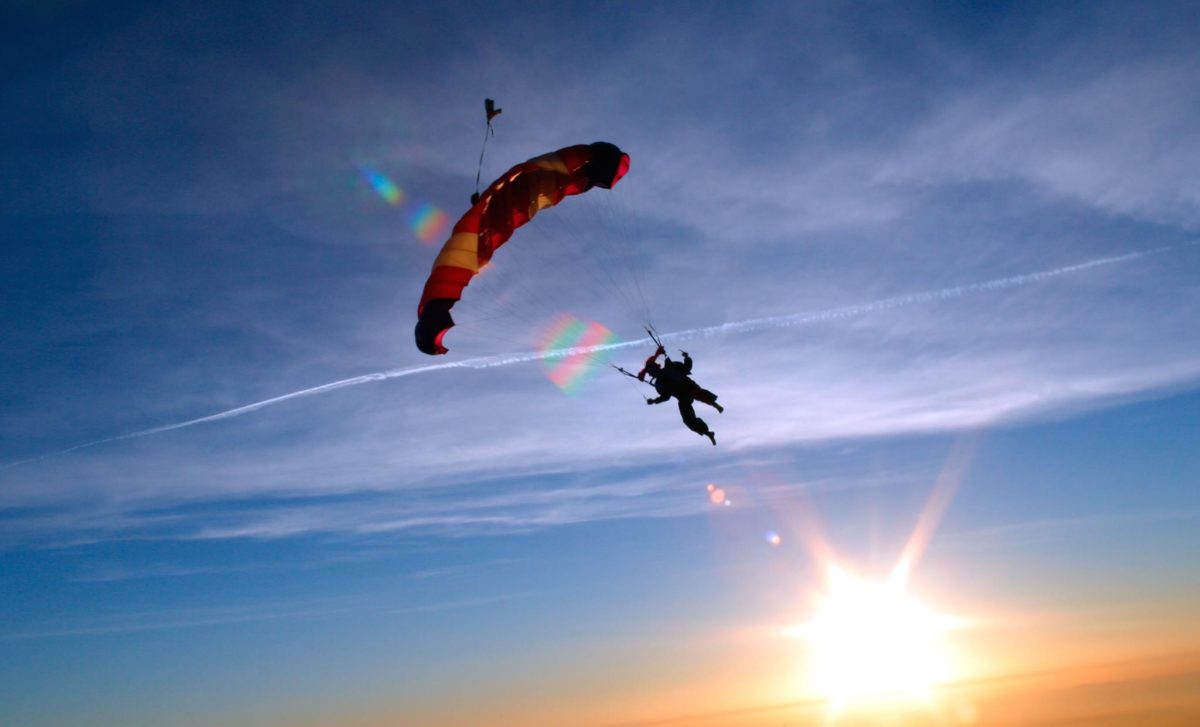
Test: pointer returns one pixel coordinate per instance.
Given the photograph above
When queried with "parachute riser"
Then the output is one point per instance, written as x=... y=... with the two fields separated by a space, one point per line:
x=635 y=378
x=632 y=376
x=491 y=112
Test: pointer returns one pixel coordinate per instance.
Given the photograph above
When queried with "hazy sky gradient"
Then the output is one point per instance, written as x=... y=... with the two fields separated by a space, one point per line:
x=963 y=224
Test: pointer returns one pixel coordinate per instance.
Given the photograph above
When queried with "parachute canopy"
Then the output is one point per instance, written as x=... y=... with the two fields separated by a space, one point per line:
x=507 y=203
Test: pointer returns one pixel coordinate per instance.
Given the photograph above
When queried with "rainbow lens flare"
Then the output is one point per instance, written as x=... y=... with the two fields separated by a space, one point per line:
x=383 y=185
x=428 y=222
x=569 y=371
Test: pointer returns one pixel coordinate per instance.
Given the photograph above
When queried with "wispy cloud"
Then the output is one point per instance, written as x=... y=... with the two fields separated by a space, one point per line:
x=1051 y=529
x=811 y=188
x=1099 y=142
x=113 y=572
x=196 y=617
x=177 y=618
x=911 y=373
x=746 y=326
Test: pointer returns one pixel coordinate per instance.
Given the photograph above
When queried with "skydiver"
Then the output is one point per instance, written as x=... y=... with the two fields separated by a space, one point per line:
x=673 y=379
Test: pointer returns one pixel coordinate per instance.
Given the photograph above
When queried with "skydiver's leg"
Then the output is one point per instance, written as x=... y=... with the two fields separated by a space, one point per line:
x=693 y=422
x=707 y=397
x=688 y=413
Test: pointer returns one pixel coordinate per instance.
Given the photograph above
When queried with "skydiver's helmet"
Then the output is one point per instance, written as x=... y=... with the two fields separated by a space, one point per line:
x=653 y=369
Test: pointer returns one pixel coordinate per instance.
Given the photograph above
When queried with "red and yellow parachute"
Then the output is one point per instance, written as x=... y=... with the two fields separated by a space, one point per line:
x=509 y=202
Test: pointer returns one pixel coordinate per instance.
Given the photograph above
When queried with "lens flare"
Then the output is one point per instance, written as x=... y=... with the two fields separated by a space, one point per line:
x=382 y=185
x=428 y=222
x=772 y=537
x=716 y=495
x=570 y=370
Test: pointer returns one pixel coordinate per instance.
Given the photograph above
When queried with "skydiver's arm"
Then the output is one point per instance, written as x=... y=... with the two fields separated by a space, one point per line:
x=687 y=363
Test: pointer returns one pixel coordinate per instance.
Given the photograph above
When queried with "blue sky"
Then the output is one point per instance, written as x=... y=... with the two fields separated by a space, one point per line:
x=963 y=227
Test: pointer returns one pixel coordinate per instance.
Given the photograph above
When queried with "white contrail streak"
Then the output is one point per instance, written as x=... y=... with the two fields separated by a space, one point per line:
x=754 y=324
x=928 y=296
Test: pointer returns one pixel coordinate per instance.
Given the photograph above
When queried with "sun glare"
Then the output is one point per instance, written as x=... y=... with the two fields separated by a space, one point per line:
x=872 y=641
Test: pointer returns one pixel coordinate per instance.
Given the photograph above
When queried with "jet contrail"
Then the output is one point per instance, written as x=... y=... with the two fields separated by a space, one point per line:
x=754 y=324
x=928 y=296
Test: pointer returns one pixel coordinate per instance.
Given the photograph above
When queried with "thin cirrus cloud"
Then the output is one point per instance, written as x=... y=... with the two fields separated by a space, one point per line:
x=175 y=618
x=1051 y=529
x=814 y=401
x=1100 y=142
x=732 y=328
x=296 y=610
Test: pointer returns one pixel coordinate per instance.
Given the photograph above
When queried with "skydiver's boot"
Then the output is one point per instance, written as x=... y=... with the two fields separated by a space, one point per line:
x=720 y=409
x=712 y=435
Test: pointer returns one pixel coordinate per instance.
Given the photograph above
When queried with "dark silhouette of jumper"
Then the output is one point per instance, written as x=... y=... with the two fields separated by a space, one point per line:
x=673 y=379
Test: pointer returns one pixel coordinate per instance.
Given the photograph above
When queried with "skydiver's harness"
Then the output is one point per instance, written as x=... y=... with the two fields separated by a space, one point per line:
x=657 y=342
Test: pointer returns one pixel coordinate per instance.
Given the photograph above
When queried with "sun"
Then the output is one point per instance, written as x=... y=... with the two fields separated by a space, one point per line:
x=872 y=641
